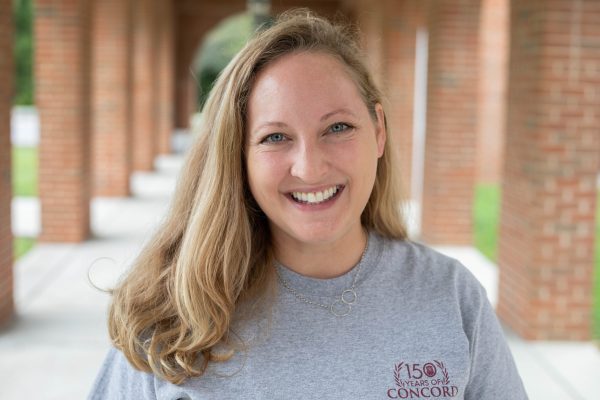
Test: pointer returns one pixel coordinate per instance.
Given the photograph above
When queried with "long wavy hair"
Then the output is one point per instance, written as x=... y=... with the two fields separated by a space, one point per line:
x=212 y=253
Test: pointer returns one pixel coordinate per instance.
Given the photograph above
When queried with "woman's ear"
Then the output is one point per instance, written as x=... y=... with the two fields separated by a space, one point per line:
x=380 y=130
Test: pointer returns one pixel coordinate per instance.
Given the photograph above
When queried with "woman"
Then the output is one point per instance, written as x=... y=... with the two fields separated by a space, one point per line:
x=283 y=269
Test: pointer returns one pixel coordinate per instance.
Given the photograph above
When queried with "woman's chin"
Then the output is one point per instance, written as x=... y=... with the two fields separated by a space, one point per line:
x=313 y=235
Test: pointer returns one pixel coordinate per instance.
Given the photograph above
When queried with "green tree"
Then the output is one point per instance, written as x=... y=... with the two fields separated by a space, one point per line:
x=23 y=51
x=219 y=47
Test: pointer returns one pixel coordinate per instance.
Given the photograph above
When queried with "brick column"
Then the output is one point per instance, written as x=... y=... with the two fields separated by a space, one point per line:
x=112 y=99
x=370 y=19
x=62 y=96
x=186 y=45
x=546 y=246
x=145 y=85
x=327 y=8
x=449 y=175
x=401 y=22
x=6 y=92
x=166 y=76
x=493 y=56
x=185 y=92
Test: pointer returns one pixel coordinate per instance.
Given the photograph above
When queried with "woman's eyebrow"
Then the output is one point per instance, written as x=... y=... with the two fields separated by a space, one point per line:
x=279 y=124
x=338 y=111
x=275 y=124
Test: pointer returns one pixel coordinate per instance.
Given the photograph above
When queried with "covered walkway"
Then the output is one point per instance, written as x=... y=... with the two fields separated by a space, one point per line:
x=110 y=97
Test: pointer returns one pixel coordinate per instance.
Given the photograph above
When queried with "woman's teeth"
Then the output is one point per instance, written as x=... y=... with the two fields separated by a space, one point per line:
x=315 y=197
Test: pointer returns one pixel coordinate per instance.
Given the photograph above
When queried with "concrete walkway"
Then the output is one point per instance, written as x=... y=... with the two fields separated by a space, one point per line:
x=55 y=346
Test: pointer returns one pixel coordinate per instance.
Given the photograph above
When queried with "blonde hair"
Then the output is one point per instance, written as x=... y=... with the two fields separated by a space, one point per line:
x=212 y=253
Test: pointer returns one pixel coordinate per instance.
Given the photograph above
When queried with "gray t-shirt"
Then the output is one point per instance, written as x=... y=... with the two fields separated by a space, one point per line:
x=421 y=327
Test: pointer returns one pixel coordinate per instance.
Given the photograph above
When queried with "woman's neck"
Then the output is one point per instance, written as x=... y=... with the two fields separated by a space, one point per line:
x=321 y=260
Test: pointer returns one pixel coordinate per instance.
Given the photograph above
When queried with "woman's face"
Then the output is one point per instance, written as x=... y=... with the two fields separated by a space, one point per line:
x=311 y=149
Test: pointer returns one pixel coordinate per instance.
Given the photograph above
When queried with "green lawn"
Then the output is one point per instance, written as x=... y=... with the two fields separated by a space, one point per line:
x=486 y=212
x=22 y=245
x=24 y=167
x=24 y=183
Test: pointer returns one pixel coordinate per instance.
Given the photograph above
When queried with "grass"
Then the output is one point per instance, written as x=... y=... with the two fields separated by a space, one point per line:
x=24 y=167
x=486 y=212
x=22 y=245
x=24 y=183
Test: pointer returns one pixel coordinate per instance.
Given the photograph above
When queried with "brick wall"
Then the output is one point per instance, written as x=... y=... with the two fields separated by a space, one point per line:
x=6 y=91
x=112 y=97
x=402 y=19
x=62 y=74
x=546 y=245
x=166 y=78
x=328 y=8
x=145 y=84
x=493 y=55
x=371 y=21
x=450 y=148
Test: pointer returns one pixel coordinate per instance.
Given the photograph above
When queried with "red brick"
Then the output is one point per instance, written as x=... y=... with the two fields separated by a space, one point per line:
x=62 y=76
x=6 y=94
x=166 y=76
x=145 y=85
x=401 y=22
x=112 y=97
x=450 y=162
x=549 y=192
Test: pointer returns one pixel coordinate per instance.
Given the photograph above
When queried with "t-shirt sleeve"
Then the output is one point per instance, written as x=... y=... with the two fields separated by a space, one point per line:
x=493 y=373
x=118 y=380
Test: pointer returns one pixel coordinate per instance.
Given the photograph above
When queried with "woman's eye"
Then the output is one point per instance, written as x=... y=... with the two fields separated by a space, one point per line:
x=274 y=138
x=339 y=127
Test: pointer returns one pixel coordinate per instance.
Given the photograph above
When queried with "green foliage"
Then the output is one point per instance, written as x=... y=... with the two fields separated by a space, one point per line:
x=219 y=47
x=24 y=171
x=22 y=245
x=23 y=51
x=486 y=211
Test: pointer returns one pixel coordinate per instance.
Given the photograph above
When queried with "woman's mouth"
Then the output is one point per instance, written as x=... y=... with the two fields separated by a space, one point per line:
x=316 y=197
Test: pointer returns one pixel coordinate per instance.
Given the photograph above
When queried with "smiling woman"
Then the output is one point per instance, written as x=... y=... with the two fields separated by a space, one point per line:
x=310 y=136
x=283 y=269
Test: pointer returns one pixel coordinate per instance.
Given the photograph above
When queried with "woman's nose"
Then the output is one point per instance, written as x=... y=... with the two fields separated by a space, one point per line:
x=310 y=163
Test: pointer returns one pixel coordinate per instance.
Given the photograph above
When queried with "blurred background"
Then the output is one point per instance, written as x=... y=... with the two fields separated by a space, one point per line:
x=493 y=105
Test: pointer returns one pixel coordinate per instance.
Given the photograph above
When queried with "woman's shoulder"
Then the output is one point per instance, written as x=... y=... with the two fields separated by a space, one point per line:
x=419 y=265
x=422 y=256
x=118 y=379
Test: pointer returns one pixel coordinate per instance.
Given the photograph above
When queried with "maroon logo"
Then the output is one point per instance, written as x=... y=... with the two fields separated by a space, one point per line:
x=415 y=381
x=429 y=370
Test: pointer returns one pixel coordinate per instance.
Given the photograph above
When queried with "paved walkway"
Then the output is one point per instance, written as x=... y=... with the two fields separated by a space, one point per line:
x=58 y=340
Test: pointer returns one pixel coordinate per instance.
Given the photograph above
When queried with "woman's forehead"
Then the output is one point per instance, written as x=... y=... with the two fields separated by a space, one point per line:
x=304 y=67
x=309 y=83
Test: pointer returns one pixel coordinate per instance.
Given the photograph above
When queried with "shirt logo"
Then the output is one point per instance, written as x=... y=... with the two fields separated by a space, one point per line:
x=419 y=381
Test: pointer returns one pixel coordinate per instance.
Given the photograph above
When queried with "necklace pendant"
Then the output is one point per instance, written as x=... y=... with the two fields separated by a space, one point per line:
x=340 y=308
x=349 y=296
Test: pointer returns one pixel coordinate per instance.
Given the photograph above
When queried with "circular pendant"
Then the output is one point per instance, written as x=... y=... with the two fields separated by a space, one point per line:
x=349 y=296
x=340 y=308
